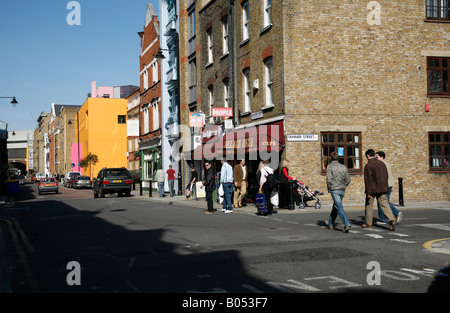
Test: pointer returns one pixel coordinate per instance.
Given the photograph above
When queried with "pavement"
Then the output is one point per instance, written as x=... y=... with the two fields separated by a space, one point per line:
x=249 y=208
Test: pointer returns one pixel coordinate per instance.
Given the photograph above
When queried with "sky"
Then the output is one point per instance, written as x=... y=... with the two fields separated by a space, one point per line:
x=43 y=59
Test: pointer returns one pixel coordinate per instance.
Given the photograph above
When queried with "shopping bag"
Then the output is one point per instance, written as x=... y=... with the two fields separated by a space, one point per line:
x=261 y=203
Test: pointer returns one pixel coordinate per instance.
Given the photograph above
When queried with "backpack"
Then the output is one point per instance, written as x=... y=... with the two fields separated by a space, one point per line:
x=272 y=181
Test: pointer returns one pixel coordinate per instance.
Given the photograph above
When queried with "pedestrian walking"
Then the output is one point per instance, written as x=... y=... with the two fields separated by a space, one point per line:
x=171 y=180
x=191 y=186
x=380 y=155
x=240 y=183
x=284 y=184
x=337 y=181
x=160 y=179
x=376 y=186
x=210 y=185
x=264 y=186
x=226 y=180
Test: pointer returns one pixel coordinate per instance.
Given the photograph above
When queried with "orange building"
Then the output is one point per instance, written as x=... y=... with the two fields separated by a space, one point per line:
x=102 y=130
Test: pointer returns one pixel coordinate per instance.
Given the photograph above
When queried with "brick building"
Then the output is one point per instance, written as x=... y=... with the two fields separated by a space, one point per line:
x=150 y=99
x=340 y=76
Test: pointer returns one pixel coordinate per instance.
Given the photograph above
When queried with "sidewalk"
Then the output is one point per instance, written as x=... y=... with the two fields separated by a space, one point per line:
x=251 y=208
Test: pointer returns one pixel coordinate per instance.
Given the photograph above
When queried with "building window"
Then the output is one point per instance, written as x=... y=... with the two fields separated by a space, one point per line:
x=210 y=45
x=155 y=75
x=155 y=115
x=191 y=24
x=245 y=20
x=225 y=35
x=439 y=146
x=121 y=119
x=268 y=64
x=247 y=91
x=438 y=70
x=146 y=121
x=267 y=12
x=438 y=9
x=226 y=93
x=348 y=147
x=145 y=79
x=211 y=98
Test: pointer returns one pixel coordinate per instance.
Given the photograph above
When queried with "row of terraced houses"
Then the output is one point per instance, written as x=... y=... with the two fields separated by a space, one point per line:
x=297 y=80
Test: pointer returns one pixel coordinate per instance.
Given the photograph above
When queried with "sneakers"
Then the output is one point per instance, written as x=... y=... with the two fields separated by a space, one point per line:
x=347 y=229
x=228 y=211
x=399 y=217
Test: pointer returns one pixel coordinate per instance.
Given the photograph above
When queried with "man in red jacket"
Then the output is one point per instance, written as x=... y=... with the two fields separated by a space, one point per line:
x=376 y=186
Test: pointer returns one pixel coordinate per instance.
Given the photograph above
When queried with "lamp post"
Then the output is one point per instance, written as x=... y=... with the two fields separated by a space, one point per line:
x=13 y=102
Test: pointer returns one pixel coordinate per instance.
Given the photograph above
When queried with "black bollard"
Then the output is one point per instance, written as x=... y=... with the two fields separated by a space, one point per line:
x=400 y=192
x=140 y=188
x=290 y=195
x=150 y=188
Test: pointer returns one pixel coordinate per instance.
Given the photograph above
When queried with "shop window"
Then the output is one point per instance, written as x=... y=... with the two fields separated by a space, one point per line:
x=348 y=147
x=439 y=147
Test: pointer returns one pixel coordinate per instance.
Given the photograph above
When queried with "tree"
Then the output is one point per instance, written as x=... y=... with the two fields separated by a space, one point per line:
x=90 y=159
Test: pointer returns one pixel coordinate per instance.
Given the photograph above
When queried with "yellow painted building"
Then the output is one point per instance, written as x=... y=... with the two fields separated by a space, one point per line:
x=102 y=130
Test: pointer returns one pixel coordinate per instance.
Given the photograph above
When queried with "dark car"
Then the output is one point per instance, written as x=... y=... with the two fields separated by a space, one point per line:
x=82 y=182
x=112 y=180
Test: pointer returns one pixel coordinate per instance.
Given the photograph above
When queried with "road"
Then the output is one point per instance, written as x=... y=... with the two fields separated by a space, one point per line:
x=72 y=243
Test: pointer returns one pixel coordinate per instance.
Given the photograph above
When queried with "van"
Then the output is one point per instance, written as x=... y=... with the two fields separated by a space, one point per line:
x=68 y=176
x=39 y=176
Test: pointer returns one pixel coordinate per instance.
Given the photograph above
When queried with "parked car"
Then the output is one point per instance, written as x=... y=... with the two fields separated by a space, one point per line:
x=48 y=184
x=39 y=176
x=112 y=180
x=68 y=176
x=82 y=182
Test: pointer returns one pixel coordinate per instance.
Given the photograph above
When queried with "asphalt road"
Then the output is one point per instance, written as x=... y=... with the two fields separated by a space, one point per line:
x=72 y=243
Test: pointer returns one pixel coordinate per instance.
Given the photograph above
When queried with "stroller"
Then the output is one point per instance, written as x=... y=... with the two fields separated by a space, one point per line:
x=307 y=195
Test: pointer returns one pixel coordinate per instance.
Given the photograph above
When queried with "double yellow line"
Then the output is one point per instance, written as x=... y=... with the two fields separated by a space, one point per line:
x=18 y=236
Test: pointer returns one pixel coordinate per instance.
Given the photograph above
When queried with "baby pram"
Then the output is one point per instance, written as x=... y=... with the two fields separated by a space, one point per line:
x=305 y=195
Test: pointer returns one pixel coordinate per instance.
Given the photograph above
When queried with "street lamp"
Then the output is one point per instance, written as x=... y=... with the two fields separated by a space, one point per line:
x=13 y=102
x=160 y=56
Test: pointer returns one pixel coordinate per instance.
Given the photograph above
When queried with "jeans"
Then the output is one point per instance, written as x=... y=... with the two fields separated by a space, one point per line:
x=228 y=189
x=394 y=210
x=171 y=184
x=161 y=188
x=338 y=208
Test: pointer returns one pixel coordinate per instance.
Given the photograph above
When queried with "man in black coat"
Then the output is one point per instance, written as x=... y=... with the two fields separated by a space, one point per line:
x=210 y=186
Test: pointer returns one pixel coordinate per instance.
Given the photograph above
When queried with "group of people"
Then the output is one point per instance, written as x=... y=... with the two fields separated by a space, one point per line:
x=234 y=184
x=378 y=182
x=161 y=178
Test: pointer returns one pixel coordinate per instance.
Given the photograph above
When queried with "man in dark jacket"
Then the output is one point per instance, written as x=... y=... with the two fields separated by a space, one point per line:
x=376 y=186
x=210 y=186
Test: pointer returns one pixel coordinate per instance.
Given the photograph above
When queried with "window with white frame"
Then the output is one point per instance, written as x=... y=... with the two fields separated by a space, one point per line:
x=247 y=91
x=225 y=35
x=155 y=115
x=245 y=20
x=145 y=79
x=191 y=24
x=268 y=64
x=267 y=12
x=155 y=75
x=226 y=93
x=210 y=45
x=211 y=98
x=146 y=121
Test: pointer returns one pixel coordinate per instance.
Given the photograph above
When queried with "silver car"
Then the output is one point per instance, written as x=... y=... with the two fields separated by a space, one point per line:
x=82 y=182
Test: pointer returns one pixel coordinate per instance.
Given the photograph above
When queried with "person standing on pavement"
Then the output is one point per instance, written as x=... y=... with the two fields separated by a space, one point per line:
x=171 y=180
x=226 y=180
x=160 y=179
x=210 y=185
x=264 y=187
x=240 y=183
x=380 y=155
x=191 y=185
x=376 y=186
x=284 y=184
x=337 y=181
